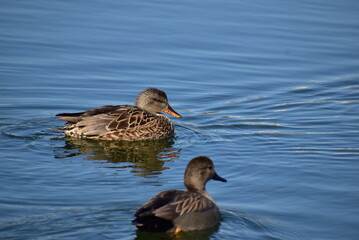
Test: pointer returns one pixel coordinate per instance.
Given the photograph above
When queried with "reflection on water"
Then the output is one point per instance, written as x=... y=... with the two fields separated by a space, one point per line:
x=148 y=156
x=199 y=235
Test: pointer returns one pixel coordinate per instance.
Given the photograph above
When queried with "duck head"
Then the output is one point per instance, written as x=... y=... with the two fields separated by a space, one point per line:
x=198 y=172
x=154 y=101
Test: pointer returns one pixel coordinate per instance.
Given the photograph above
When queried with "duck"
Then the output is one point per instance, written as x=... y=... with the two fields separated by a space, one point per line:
x=142 y=121
x=174 y=211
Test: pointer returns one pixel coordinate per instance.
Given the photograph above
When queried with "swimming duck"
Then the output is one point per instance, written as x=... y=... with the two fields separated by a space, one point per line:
x=124 y=122
x=174 y=210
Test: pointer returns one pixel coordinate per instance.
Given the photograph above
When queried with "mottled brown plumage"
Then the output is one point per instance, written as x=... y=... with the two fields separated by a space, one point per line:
x=194 y=209
x=124 y=122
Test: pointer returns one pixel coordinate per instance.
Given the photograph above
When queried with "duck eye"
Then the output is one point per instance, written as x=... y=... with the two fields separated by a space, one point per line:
x=210 y=167
x=157 y=100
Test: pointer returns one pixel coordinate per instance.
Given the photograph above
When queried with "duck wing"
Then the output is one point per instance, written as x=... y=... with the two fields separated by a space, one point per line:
x=129 y=118
x=159 y=200
x=182 y=204
x=76 y=117
x=171 y=204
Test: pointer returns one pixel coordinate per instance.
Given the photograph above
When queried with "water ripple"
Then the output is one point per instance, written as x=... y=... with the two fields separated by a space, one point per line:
x=194 y=136
x=28 y=129
x=254 y=227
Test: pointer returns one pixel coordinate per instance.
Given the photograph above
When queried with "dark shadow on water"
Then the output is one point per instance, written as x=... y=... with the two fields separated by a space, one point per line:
x=147 y=158
x=198 y=235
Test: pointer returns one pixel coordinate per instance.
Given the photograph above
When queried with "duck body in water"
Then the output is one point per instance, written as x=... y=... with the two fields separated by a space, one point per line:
x=175 y=210
x=143 y=121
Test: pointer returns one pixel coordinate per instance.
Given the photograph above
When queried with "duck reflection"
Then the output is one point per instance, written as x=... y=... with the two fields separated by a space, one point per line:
x=199 y=235
x=148 y=157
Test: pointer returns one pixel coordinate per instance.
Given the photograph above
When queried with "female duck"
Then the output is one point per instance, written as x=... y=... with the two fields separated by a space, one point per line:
x=174 y=210
x=124 y=122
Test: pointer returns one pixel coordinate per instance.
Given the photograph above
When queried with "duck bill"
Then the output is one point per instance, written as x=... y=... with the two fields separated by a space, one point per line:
x=170 y=110
x=218 y=178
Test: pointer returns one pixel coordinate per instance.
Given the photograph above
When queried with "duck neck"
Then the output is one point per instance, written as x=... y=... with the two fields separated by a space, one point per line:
x=202 y=191
x=196 y=189
x=193 y=185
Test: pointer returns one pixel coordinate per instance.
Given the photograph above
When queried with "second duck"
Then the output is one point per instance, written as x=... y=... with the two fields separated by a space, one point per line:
x=176 y=210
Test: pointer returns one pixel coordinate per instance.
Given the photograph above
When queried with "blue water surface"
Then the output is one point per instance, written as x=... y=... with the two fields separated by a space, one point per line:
x=268 y=89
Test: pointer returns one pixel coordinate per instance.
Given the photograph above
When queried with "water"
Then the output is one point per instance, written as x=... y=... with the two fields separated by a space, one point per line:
x=267 y=89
